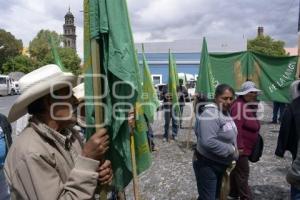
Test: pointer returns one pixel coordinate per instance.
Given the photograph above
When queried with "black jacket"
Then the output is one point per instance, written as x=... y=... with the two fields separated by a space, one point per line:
x=289 y=130
x=6 y=127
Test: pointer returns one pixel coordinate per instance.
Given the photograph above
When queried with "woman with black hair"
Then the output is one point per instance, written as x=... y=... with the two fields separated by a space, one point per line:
x=216 y=143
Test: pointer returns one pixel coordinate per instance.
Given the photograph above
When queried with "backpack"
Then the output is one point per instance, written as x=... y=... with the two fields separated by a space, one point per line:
x=257 y=150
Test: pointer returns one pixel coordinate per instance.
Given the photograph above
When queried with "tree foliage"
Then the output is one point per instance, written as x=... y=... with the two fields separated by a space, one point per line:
x=19 y=63
x=40 y=51
x=9 y=47
x=39 y=46
x=68 y=57
x=266 y=45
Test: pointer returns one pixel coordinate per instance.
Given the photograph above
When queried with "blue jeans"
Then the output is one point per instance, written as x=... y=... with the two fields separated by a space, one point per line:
x=209 y=177
x=168 y=116
x=4 y=189
x=295 y=193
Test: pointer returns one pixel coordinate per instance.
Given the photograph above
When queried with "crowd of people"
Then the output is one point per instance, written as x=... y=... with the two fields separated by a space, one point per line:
x=50 y=154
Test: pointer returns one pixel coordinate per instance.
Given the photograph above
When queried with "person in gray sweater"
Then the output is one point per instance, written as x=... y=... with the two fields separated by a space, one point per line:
x=216 y=143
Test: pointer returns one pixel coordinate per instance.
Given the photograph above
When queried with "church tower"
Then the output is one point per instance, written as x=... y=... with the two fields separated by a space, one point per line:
x=69 y=31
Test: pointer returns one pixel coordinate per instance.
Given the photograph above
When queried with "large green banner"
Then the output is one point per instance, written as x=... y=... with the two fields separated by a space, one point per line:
x=273 y=75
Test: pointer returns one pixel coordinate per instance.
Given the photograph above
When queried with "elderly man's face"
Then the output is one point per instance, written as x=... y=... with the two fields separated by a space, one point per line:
x=63 y=105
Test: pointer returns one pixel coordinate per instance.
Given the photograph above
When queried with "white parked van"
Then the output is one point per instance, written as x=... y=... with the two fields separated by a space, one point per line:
x=6 y=86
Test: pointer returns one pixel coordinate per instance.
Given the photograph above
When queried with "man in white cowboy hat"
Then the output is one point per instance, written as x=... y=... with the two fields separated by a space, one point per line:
x=243 y=112
x=48 y=160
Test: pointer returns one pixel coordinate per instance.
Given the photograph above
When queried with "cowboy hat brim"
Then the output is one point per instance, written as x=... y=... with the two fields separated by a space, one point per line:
x=36 y=91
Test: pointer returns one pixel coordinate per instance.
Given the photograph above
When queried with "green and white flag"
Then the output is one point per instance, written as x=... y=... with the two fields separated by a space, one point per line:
x=273 y=75
x=150 y=99
x=107 y=22
x=206 y=82
x=172 y=85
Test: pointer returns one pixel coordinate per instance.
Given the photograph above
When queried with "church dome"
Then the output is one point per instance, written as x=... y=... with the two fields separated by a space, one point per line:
x=69 y=14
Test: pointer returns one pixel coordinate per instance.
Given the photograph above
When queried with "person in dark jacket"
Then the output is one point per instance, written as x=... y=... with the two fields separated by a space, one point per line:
x=5 y=142
x=169 y=115
x=182 y=92
x=243 y=112
x=288 y=139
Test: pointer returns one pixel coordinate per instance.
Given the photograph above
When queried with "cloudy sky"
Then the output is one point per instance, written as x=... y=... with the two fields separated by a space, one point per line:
x=165 y=20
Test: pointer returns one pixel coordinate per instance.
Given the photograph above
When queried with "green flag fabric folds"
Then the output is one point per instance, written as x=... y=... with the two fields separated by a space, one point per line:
x=172 y=85
x=273 y=75
x=107 y=23
x=206 y=82
x=150 y=99
x=142 y=151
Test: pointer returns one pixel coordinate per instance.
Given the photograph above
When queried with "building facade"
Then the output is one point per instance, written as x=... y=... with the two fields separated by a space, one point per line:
x=69 y=31
x=187 y=63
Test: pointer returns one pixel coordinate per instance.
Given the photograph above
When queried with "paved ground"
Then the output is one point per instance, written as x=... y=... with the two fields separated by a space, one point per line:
x=5 y=104
x=171 y=175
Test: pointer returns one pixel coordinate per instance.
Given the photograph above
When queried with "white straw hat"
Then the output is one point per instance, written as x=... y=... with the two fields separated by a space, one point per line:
x=247 y=87
x=39 y=83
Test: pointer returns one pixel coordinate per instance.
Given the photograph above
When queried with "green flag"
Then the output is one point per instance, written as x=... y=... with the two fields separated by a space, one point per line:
x=143 y=155
x=150 y=99
x=206 y=82
x=55 y=54
x=107 y=22
x=273 y=75
x=172 y=85
x=175 y=70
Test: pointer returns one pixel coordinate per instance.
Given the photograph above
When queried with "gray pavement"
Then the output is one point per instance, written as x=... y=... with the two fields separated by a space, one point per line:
x=6 y=102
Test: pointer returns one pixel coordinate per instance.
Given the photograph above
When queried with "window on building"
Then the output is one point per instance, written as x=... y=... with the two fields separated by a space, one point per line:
x=156 y=78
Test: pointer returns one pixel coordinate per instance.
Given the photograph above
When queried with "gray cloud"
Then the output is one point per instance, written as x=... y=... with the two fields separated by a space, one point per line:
x=215 y=18
x=228 y=22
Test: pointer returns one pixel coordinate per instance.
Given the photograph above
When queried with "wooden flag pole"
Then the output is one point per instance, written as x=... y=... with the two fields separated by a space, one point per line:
x=133 y=161
x=99 y=119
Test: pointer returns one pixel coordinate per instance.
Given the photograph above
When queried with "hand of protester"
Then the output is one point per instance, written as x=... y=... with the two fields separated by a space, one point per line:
x=105 y=173
x=97 y=145
x=131 y=119
x=235 y=154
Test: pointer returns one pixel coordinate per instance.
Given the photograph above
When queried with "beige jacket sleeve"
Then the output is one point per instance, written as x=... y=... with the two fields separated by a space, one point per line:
x=42 y=182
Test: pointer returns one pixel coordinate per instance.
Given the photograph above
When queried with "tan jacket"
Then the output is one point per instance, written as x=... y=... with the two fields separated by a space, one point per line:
x=43 y=164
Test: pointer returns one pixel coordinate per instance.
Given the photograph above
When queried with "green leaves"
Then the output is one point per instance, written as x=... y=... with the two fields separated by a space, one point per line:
x=10 y=47
x=40 y=51
x=266 y=45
